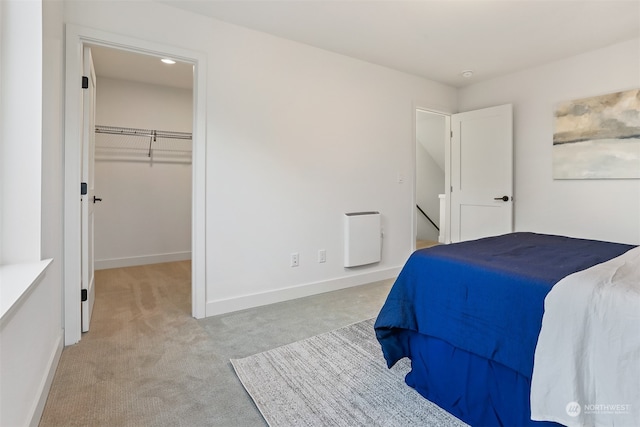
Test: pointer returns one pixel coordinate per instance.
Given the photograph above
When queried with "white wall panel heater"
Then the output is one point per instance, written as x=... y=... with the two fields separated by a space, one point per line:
x=362 y=238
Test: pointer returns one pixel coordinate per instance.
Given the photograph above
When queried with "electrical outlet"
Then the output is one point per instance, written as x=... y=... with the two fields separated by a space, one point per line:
x=322 y=255
x=295 y=259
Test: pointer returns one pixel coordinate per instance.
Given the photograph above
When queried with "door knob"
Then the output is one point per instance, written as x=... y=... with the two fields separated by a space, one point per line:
x=95 y=199
x=503 y=198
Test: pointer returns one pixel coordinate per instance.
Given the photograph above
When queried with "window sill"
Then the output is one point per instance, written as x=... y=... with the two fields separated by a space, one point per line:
x=16 y=282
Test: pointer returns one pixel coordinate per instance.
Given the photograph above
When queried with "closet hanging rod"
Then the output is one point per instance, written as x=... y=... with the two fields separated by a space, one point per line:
x=149 y=133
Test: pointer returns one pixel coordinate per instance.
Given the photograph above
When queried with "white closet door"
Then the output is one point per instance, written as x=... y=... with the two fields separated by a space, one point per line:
x=88 y=200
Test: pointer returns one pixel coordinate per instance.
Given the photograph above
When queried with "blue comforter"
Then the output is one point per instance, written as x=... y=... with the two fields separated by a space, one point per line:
x=484 y=296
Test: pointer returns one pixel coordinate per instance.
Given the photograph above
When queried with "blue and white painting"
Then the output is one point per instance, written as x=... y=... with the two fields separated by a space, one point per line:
x=598 y=137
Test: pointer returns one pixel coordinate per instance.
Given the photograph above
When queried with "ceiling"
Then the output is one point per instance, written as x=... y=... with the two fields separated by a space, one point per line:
x=435 y=39
x=438 y=39
x=126 y=65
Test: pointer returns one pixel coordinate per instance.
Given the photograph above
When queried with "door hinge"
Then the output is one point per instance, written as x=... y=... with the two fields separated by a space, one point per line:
x=83 y=188
x=85 y=82
x=83 y=295
x=451 y=134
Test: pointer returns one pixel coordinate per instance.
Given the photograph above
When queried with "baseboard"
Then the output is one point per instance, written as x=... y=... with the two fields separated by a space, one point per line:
x=45 y=386
x=229 y=305
x=103 y=264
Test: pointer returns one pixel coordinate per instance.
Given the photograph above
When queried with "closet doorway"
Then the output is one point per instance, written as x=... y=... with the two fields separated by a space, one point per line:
x=143 y=170
x=76 y=38
x=432 y=132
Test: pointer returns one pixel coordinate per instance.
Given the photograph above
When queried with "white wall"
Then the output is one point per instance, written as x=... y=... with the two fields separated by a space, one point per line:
x=31 y=332
x=296 y=136
x=430 y=179
x=21 y=130
x=597 y=209
x=3 y=36
x=145 y=213
x=429 y=183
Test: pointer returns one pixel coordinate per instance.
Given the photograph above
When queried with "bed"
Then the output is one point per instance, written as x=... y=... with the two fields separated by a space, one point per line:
x=468 y=316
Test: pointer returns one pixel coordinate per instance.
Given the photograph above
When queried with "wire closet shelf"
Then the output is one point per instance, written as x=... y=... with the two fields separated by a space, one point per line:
x=114 y=140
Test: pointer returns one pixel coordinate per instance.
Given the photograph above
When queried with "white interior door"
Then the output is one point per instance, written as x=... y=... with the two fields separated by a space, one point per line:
x=481 y=173
x=88 y=199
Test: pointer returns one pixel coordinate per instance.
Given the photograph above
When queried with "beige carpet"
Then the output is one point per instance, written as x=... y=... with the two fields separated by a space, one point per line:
x=147 y=362
x=144 y=361
x=421 y=244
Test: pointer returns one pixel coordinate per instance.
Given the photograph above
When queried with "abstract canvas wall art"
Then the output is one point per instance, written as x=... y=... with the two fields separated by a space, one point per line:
x=598 y=137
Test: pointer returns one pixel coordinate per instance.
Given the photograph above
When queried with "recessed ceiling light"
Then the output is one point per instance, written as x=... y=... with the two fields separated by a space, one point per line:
x=168 y=61
x=467 y=74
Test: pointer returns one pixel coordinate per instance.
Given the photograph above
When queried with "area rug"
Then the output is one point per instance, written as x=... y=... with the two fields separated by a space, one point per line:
x=339 y=378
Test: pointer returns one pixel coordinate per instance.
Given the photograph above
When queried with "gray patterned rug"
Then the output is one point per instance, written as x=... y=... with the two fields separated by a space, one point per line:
x=336 y=379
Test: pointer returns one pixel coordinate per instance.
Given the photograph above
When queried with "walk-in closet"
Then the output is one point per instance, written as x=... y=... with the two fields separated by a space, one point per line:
x=143 y=156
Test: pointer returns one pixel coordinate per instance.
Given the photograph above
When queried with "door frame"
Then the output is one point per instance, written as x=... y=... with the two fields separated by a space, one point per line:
x=447 y=172
x=76 y=38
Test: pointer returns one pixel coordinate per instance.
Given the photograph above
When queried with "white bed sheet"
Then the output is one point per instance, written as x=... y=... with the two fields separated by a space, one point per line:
x=587 y=360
